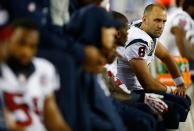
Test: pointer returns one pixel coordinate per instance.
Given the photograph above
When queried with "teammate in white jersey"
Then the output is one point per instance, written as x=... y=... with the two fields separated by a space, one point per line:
x=139 y=51
x=4 y=34
x=28 y=83
x=178 y=34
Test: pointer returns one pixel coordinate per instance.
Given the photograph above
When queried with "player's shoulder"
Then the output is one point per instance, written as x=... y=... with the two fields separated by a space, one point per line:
x=178 y=14
x=43 y=64
x=136 y=35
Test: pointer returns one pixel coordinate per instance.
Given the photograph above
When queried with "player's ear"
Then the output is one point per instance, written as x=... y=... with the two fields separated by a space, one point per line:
x=144 y=18
x=117 y=35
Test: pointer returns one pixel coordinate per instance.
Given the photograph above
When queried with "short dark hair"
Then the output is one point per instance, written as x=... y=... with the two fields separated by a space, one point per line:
x=177 y=3
x=187 y=3
x=24 y=23
x=120 y=17
x=149 y=7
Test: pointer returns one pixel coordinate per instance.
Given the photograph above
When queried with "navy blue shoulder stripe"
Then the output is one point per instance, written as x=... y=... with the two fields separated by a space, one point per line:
x=136 y=41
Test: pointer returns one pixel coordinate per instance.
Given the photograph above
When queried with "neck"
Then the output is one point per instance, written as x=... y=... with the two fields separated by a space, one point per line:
x=142 y=27
x=18 y=68
x=13 y=61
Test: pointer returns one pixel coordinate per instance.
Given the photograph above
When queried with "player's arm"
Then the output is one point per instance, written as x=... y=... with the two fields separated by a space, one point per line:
x=163 y=54
x=144 y=76
x=181 y=43
x=52 y=118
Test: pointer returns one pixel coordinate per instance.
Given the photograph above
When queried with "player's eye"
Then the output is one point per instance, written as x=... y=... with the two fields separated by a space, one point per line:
x=157 y=20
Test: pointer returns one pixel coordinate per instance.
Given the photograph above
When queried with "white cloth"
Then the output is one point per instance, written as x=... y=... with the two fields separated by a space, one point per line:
x=59 y=12
x=139 y=45
x=26 y=96
x=177 y=17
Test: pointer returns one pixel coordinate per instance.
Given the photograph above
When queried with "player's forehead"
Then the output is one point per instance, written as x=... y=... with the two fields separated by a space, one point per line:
x=23 y=30
x=158 y=12
x=24 y=33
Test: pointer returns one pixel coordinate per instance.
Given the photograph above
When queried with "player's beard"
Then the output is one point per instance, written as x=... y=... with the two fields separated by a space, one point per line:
x=17 y=63
x=153 y=35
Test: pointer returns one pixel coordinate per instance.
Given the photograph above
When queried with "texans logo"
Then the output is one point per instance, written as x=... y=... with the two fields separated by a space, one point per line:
x=182 y=23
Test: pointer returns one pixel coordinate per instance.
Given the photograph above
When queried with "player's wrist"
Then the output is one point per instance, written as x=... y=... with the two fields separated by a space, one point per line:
x=179 y=81
x=169 y=90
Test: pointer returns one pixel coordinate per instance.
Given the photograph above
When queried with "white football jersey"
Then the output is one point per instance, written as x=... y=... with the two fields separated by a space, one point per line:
x=177 y=17
x=113 y=66
x=139 y=45
x=25 y=97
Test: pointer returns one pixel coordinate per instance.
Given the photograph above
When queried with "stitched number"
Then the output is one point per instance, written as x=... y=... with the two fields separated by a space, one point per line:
x=10 y=101
x=12 y=106
x=141 y=51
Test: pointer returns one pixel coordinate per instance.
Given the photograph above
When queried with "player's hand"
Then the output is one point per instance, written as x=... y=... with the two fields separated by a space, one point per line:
x=180 y=90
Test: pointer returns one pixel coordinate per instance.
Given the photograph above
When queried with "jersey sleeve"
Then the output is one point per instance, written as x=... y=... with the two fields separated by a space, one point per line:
x=179 y=20
x=190 y=33
x=53 y=82
x=49 y=77
x=186 y=23
x=136 y=50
